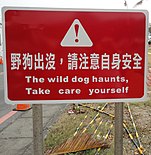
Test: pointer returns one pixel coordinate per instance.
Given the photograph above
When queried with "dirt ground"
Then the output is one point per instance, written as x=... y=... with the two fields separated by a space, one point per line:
x=142 y=117
x=67 y=124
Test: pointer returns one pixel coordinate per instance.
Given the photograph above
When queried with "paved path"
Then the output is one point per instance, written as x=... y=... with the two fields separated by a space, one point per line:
x=1 y=68
x=4 y=108
x=16 y=128
x=17 y=137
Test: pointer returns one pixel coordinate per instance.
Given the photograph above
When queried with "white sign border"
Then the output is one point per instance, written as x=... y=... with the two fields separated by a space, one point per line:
x=8 y=101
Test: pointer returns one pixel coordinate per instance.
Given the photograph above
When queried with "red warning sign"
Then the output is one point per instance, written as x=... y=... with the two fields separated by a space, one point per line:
x=68 y=56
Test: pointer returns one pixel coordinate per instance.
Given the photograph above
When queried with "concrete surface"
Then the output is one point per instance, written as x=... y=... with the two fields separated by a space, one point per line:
x=16 y=133
x=17 y=137
x=5 y=108
x=1 y=68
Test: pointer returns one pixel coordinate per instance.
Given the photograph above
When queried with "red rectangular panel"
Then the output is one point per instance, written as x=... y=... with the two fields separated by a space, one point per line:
x=74 y=55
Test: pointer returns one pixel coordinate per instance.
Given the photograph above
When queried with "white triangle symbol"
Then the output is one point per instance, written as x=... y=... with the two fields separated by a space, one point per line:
x=76 y=36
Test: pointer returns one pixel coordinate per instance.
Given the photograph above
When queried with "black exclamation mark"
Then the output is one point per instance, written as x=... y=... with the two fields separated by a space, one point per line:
x=76 y=26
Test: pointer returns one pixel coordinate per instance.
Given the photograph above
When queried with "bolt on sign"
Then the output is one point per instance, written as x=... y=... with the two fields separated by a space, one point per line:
x=74 y=55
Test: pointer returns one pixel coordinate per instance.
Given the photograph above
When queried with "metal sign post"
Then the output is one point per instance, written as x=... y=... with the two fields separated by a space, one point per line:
x=118 y=141
x=37 y=129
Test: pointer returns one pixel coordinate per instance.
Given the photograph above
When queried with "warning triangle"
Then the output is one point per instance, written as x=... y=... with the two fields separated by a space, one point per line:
x=76 y=36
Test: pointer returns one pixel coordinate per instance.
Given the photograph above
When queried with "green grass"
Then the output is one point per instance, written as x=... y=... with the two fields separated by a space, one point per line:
x=62 y=130
x=142 y=104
